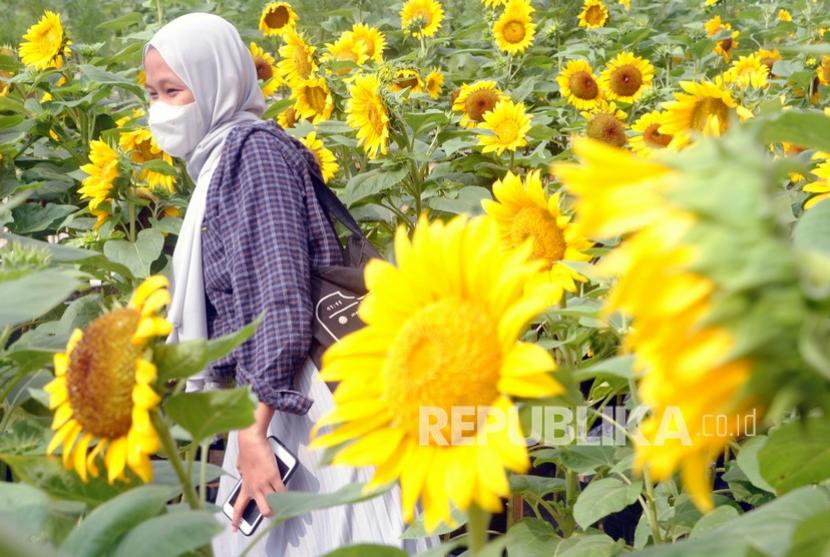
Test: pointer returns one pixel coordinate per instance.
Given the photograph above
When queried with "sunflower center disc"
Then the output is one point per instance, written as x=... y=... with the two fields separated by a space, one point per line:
x=583 y=86
x=706 y=108
x=514 y=32
x=654 y=138
x=594 y=15
x=445 y=359
x=606 y=127
x=101 y=374
x=263 y=70
x=277 y=18
x=548 y=240
x=478 y=103
x=626 y=81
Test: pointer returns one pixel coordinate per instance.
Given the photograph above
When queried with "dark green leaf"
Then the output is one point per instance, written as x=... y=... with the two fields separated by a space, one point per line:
x=812 y=537
x=367 y=550
x=373 y=182
x=178 y=361
x=34 y=294
x=603 y=497
x=139 y=255
x=169 y=535
x=806 y=129
x=31 y=217
x=205 y=414
x=796 y=454
x=222 y=346
x=812 y=231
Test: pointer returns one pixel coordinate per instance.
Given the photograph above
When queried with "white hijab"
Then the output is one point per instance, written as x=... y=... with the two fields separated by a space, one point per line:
x=208 y=55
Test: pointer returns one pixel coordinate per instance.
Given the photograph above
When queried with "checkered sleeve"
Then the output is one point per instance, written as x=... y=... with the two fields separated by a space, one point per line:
x=269 y=267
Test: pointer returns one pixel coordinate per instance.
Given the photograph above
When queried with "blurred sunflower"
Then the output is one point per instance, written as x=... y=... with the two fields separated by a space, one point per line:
x=625 y=4
x=579 y=85
x=769 y=58
x=346 y=48
x=626 y=77
x=324 y=157
x=453 y=344
x=288 y=118
x=649 y=138
x=784 y=16
x=514 y=29
x=704 y=107
x=594 y=14
x=406 y=78
x=266 y=69
x=433 y=83
x=823 y=70
x=507 y=124
x=102 y=171
x=366 y=112
x=277 y=18
x=103 y=388
x=820 y=188
x=45 y=44
x=715 y=25
x=5 y=75
x=747 y=71
x=372 y=39
x=494 y=3
x=421 y=18
x=297 y=63
x=724 y=47
x=606 y=123
x=141 y=147
x=522 y=211
x=312 y=99
x=475 y=100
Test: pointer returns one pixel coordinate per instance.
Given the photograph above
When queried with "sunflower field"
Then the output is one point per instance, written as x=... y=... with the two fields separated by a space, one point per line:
x=605 y=228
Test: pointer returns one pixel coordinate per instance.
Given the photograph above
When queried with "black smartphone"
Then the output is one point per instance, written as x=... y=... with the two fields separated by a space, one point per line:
x=251 y=517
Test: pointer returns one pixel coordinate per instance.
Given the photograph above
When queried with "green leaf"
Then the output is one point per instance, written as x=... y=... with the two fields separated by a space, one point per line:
x=181 y=360
x=101 y=529
x=796 y=454
x=594 y=545
x=367 y=550
x=586 y=459
x=603 y=497
x=617 y=366
x=205 y=414
x=718 y=516
x=537 y=486
x=748 y=462
x=160 y=166
x=531 y=537
x=373 y=182
x=812 y=231
x=812 y=537
x=13 y=545
x=222 y=346
x=34 y=294
x=139 y=255
x=169 y=535
x=808 y=129
x=31 y=217
x=24 y=506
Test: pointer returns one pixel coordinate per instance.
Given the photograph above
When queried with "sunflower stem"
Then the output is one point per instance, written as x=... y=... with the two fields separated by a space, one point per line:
x=477 y=521
x=159 y=12
x=170 y=449
x=132 y=221
x=651 y=509
x=205 y=446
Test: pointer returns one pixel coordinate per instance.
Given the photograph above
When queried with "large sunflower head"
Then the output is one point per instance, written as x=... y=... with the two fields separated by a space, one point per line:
x=324 y=157
x=366 y=112
x=514 y=29
x=373 y=40
x=704 y=107
x=433 y=83
x=594 y=14
x=747 y=71
x=626 y=77
x=441 y=337
x=421 y=18
x=45 y=44
x=346 y=48
x=141 y=147
x=504 y=128
x=606 y=123
x=407 y=78
x=102 y=170
x=277 y=18
x=288 y=118
x=649 y=138
x=103 y=393
x=475 y=100
x=579 y=85
x=266 y=69
x=523 y=210
x=312 y=99
x=727 y=45
x=298 y=61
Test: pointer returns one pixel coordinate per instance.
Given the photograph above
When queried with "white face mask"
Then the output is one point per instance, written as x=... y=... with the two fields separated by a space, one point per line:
x=176 y=128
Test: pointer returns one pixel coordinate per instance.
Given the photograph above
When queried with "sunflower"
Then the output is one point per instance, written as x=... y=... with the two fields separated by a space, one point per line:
x=784 y=16
x=141 y=147
x=421 y=18
x=324 y=157
x=579 y=85
x=297 y=63
x=346 y=48
x=650 y=138
x=769 y=58
x=288 y=118
x=747 y=71
x=102 y=391
x=45 y=44
x=433 y=83
x=727 y=45
x=514 y=29
x=594 y=14
x=523 y=210
x=372 y=39
x=266 y=69
x=5 y=75
x=493 y=4
x=625 y=4
x=475 y=100
x=626 y=77
x=820 y=188
x=453 y=344
x=366 y=112
x=102 y=170
x=705 y=107
x=606 y=123
x=823 y=70
x=507 y=124
x=276 y=19
x=715 y=25
x=407 y=79
x=313 y=100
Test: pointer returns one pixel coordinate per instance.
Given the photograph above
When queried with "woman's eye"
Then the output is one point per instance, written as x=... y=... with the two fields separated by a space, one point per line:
x=172 y=92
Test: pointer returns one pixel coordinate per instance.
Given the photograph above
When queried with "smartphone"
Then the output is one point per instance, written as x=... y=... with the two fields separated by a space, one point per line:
x=251 y=517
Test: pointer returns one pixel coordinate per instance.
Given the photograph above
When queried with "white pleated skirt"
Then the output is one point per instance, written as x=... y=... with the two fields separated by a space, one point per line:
x=377 y=520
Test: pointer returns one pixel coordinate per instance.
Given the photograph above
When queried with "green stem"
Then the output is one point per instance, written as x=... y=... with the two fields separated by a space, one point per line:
x=203 y=473
x=159 y=12
x=131 y=205
x=4 y=337
x=170 y=449
x=477 y=521
x=651 y=508
x=571 y=487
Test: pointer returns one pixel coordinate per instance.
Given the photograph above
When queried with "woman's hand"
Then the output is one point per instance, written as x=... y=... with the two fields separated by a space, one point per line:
x=257 y=465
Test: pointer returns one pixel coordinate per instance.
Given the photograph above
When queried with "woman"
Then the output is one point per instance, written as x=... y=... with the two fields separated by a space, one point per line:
x=252 y=232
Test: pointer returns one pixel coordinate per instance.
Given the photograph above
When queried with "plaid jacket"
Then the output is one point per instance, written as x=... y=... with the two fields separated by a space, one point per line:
x=263 y=231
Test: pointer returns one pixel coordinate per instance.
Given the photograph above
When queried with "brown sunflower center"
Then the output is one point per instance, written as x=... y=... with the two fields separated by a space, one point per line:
x=445 y=357
x=594 y=15
x=704 y=109
x=726 y=44
x=290 y=117
x=583 y=86
x=654 y=138
x=101 y=374
x=410 y=82
x=480 y=102
x=626 y=80
x=548 y=240
x=264 y=70
x=514 y=32
x=607 y=128
x=277 y=18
